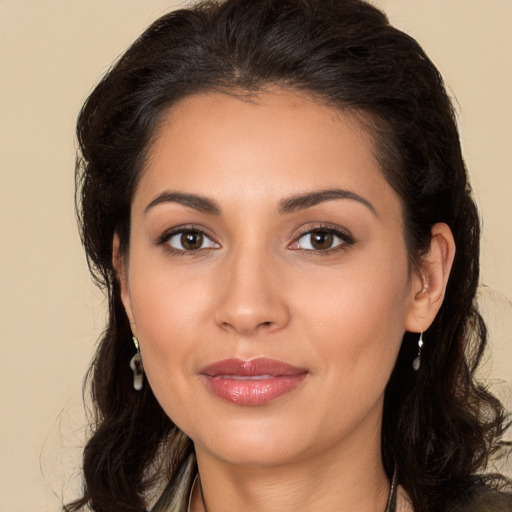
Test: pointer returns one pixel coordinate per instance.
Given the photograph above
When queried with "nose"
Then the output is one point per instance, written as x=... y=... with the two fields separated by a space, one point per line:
x=251 y=297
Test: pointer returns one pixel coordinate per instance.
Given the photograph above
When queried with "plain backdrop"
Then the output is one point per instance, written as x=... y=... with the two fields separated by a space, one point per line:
x=51 y=55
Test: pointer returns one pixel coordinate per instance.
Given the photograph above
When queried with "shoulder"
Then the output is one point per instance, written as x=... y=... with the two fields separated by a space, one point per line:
x=403 y=502
x=475 y=499
x=482 y=499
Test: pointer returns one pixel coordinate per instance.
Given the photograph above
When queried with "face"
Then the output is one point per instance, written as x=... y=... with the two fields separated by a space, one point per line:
x=267 y=278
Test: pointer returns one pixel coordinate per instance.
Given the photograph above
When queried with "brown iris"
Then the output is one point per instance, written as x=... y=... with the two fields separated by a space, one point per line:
x=321 y=240
x=191 y=240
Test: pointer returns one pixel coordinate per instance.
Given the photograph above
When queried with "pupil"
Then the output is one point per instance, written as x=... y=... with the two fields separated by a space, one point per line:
x=321 y=240
x=191 y=240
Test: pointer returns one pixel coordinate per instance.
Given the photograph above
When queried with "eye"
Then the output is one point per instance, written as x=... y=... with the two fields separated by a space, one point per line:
x=190 y=240
x=322 y=240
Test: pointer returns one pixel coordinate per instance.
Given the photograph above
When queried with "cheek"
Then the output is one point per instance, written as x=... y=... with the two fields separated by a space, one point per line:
x=364 y=293
x=166 y=297
x=169 y=308
x=357 y=320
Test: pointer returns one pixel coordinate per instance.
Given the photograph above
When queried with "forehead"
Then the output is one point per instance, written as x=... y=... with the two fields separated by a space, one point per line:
x=275 y=143
x=222 y=120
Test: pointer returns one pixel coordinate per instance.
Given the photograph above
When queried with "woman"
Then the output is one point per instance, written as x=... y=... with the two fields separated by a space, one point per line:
x=273 y=195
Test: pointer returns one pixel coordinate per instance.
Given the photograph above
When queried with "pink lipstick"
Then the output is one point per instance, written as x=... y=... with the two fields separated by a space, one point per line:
x=254 y=382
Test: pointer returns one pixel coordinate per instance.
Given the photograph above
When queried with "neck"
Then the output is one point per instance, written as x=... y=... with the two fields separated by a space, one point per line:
x=342 y=479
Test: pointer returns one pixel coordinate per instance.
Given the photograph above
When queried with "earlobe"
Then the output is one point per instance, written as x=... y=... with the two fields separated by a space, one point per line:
x=429 y=283
x=120 y=267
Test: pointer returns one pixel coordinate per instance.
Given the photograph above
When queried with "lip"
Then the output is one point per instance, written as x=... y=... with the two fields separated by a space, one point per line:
x=251 y=382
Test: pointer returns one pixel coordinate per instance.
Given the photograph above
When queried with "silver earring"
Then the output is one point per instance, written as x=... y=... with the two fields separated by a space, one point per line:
x=136 y=367
x=417 y=361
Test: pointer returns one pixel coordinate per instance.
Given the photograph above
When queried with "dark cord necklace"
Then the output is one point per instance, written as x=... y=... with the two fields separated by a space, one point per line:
x=391 y=506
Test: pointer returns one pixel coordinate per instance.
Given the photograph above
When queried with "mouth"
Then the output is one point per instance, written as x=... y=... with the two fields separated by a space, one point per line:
x=253 y=382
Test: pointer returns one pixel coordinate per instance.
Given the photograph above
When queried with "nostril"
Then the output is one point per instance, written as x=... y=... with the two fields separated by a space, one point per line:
x=266 y=326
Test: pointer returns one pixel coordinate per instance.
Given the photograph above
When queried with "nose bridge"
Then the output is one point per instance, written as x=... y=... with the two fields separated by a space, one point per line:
x=251 y=297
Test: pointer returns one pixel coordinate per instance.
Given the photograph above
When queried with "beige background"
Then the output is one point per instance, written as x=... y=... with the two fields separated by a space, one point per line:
x=51 y=54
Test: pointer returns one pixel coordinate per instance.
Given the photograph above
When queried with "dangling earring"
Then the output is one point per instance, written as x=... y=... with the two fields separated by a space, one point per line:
x=137 y=368
x=417 y=361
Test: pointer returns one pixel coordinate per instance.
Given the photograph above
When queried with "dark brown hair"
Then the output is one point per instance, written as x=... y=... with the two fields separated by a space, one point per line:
x=440 y=425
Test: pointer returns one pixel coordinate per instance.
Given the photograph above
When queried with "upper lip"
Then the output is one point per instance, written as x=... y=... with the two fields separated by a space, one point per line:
x=251 y=367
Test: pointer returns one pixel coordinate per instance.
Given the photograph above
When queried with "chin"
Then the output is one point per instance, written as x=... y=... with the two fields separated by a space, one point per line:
x=255 y=450
x=258 y=441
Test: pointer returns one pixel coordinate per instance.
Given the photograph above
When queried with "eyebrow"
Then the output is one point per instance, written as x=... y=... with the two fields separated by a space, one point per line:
x=288 y=205
x=195 y=201
x=303 y=201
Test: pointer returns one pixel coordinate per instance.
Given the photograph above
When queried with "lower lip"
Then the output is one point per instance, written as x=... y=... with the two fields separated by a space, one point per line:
x=252 y=392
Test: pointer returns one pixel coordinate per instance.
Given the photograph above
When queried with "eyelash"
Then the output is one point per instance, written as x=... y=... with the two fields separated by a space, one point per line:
x=345 y=237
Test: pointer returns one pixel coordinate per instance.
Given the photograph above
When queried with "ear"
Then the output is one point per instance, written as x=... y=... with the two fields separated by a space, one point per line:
x=120 y=264
x=428 y=283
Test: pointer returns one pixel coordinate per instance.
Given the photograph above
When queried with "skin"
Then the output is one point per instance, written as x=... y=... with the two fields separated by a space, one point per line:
x=258 y=287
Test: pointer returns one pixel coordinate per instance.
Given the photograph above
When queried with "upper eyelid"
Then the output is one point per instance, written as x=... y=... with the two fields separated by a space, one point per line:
x=188 y=227
x=336 y=230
